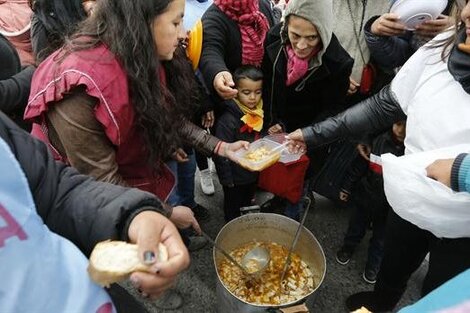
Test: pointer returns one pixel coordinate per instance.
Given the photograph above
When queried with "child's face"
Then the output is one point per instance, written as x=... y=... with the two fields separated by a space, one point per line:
x=249 y=92
x=399 y=131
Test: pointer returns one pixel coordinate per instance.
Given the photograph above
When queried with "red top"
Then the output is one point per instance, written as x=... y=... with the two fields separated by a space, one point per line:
x=105 y=79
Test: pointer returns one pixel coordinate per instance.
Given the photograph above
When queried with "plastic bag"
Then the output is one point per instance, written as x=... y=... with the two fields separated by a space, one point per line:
x=423 y=201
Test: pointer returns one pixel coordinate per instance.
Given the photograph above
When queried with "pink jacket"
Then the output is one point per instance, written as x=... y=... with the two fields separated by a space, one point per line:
x=15 y=25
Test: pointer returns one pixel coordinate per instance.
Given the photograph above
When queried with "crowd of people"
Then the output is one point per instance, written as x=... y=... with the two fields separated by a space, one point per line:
x=105 y=117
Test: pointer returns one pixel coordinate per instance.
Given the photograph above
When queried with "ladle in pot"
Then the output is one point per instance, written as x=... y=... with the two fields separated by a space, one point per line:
x=294 y=242
x=253 y=263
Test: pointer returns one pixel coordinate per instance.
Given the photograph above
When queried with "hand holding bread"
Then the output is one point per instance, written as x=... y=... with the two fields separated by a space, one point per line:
x=151 y=271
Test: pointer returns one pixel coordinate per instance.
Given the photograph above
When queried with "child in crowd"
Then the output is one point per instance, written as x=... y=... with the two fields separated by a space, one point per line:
x=363 y=188
x=242 y=120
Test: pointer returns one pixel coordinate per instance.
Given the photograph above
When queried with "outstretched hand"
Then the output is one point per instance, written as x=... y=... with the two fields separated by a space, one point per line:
x=224 y=85
x=228 y=150
x=147 y=230
x=296 y=143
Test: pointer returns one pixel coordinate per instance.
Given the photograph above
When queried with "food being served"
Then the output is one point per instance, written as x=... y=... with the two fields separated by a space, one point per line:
x=113 y=261
x=259 y=158
x=266 y=289
x=258 y=154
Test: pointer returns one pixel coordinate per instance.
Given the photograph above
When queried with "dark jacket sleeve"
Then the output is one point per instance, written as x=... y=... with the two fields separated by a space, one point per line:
x=355 y=172
x=371 y=115
x=14 y=91
x=215 y=35
x=387 y=52
x=73 y=205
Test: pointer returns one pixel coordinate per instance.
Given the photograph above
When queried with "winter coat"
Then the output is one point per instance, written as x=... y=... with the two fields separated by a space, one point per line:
x=15 y=82
x=73 y=205
x=346 y=22
x=221 y=43
x=15 y=24
x=361 y=168
x=321 y=94
x=228 y=128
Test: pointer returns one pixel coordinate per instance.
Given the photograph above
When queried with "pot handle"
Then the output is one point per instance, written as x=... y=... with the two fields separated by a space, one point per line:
x=301 y=308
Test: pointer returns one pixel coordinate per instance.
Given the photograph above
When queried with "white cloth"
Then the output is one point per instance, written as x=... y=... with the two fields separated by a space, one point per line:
x=40 y=271
x=423 y=201
x=438 y=116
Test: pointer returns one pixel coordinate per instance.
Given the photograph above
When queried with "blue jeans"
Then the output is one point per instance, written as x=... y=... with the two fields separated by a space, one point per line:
x=296 y=210
x=185 y=172
x=183 y=194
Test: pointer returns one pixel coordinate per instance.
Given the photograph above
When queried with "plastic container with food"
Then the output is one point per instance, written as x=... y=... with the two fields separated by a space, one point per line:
x=286 y=156
x=261 y=154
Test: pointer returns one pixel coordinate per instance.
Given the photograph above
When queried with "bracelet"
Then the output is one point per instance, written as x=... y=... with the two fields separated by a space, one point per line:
x=217 y=147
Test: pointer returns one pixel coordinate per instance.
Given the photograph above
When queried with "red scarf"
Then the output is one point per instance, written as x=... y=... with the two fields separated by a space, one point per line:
x=253 y=27
x=297 y=67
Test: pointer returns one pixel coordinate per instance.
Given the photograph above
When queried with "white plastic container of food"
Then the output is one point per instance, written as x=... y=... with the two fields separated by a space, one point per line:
x=261 y=154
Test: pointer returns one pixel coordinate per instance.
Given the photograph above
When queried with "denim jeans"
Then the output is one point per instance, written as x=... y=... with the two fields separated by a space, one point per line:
x=296 y=210
x=185 y=172
x=183 y=194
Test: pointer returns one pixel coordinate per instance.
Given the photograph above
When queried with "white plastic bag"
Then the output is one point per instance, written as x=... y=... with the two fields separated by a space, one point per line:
x=423 y=201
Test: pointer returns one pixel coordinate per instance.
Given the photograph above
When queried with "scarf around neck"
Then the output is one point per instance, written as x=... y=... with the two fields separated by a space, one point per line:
x=253 y=27
x=459 y=62
x=297 y=67
x=253 y=118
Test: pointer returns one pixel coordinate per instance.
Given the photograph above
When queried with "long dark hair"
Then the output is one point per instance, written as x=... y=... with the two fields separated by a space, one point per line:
x=124 y=26
x=60 y=19
x=449 y=42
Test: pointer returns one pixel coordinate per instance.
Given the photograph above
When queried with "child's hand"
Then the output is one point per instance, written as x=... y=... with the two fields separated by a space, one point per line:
x=275 y=129
x=180 y=156
x=364 y=151
x=343 y=196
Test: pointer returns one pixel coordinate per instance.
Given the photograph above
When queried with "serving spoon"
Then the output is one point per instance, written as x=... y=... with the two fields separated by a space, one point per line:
x=253 y=263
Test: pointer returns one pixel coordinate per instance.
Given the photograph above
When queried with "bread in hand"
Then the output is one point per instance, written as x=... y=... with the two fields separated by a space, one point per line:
x=114 y=261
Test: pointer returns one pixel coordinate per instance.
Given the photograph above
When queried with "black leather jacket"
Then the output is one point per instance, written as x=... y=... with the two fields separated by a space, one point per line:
x=371 y=115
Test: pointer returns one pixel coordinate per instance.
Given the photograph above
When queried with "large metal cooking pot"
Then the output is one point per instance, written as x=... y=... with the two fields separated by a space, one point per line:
x=265 y=227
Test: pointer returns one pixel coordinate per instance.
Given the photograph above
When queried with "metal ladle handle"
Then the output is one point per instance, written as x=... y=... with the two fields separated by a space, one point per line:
x=228 y=256
x=294 y=242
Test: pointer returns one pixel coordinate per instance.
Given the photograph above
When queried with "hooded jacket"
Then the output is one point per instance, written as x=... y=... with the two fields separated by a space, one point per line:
x=322 y=91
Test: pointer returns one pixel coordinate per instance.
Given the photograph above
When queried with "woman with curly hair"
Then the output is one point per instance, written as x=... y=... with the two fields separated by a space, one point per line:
x=113 y=102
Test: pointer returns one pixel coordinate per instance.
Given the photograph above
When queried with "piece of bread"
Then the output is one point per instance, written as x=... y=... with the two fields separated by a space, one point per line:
x=114 y=261
x=362 y=310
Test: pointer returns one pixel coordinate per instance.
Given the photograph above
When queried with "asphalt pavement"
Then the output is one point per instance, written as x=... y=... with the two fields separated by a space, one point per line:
x=326 y=221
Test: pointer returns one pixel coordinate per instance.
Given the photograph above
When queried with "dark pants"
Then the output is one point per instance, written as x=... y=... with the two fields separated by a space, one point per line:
x=368 y=207
x=406 y=246
x=236 y=197
x=201 y=161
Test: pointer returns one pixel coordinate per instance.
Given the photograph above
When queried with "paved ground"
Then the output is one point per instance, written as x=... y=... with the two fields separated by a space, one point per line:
x=327 y=222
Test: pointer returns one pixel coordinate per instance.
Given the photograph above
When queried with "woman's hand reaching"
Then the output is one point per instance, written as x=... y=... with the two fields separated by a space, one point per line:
x=296 y=142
